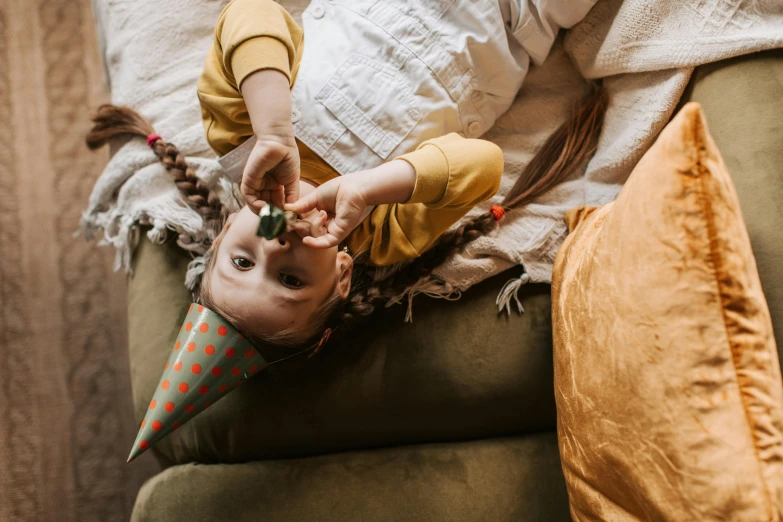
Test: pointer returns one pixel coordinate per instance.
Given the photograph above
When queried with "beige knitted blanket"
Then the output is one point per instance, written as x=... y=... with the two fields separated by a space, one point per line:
x=644 y=50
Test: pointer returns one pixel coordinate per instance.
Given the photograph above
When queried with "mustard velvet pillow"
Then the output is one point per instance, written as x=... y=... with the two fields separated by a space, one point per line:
x=667 y=379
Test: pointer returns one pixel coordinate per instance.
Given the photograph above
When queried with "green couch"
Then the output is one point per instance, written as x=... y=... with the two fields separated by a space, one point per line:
x=450 y=418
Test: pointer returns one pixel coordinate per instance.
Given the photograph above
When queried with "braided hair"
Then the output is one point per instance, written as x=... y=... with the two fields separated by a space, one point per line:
x=111 y=121
x=563 y=152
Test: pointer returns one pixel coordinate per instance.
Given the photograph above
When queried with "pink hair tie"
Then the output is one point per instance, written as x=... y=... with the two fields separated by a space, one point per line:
x=152 y=138
x=497 y=212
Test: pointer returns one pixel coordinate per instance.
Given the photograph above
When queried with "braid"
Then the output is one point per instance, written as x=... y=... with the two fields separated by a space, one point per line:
x=563 y=152
x=195 y=191
x=112 y=121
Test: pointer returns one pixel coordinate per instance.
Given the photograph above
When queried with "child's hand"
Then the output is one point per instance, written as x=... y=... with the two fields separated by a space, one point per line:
x=345 y=198
x=343 y=203
x=271 y=174
x=272 y=171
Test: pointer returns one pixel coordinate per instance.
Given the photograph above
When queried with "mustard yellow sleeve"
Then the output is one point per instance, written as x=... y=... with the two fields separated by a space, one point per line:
x=453 y=174
x=250 y=35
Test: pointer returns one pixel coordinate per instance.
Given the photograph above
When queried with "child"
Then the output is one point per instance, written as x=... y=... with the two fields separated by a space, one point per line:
x=294 y=290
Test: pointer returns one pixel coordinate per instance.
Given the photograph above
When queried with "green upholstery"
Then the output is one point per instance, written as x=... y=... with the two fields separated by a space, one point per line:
x=491 y=480
x=432 y=395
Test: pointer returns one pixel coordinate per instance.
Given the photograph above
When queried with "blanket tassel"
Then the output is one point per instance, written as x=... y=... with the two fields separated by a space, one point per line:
x=511 y=291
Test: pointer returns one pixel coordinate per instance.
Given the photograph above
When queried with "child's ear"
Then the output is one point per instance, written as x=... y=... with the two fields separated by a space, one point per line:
x=344 y=271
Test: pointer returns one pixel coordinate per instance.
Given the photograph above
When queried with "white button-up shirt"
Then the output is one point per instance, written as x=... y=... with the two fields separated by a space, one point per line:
x=378 y=77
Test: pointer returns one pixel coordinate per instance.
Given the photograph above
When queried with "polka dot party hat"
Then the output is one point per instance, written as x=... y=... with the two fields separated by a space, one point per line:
x=210 y=358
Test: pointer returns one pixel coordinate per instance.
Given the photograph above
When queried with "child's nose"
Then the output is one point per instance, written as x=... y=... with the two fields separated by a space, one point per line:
x=277 y=246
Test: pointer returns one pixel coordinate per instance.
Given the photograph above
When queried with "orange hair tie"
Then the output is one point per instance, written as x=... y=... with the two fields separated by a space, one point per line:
x=322 y=342
x=497 y=212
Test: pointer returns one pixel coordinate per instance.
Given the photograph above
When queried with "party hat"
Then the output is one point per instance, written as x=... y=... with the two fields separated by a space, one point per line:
x=210 y=359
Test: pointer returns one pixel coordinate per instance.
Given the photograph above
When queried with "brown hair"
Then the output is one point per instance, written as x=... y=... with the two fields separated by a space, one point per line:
x=562 y=153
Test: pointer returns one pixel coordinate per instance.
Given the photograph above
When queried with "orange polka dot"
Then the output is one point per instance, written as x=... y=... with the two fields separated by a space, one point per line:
x=143 y=423
x=209 y=349
x=222 y=331
x=236 y=371
x=191 y=307
x=152 y=404
x=169 y=407
x=178 y=366
x=249 y=353
x=238 y=383
x=240 y=336
x=144 y=445
x=254 y=368
x=188 y=326
x=166 y=366
x=175 y=425
x=183 y=387
x=207 y=404
x=230 y=352
x=203 y=328
x=203 y=389
x=157 y=425
x=196 y=368
x=176 y=346
x=200 y=308
x=189 y=408
x=191 y=347
x=216 y=371
x=165 y=385
x=222 y=388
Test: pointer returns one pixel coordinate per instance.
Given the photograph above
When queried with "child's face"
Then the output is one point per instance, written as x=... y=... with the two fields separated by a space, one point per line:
x=270 y=286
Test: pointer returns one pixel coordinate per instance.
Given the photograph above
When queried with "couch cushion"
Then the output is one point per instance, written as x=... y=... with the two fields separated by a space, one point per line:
x=460 y=371
x=499 y=480
x=666 y=372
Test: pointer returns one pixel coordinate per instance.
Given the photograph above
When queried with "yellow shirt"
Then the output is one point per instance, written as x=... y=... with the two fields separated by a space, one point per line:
x=453 y=174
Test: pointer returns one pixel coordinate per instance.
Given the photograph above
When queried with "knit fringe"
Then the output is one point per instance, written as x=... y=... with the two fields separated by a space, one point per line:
x=511 y=291
x=119 y=230
x=429 y=286
x=439 y=289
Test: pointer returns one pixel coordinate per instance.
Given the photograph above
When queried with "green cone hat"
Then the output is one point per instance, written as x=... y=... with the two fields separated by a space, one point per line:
x=210 y=358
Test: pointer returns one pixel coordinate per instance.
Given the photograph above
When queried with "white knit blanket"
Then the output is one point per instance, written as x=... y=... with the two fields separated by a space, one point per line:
x=644 y=49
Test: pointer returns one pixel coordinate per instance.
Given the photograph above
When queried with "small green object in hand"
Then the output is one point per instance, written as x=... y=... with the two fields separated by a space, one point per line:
x=274 y=221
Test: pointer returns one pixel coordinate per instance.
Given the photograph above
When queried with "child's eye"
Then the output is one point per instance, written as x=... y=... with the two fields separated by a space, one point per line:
x=290 y=281
x=242 y=263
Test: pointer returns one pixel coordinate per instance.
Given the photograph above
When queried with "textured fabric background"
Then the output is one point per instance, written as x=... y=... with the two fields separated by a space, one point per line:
x=66 y=423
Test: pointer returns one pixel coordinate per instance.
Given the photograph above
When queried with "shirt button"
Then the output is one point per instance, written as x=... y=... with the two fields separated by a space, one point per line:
x=295 y=115
x=474 y=128
x=317 y=11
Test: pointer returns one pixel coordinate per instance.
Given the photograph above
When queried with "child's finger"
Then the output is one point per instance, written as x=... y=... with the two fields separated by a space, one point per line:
x=263 y=158
x=327 y=241
x=303 y=204
x=292 y=192
x=277 y=197
x=287 y=174
x=256 y=205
